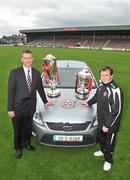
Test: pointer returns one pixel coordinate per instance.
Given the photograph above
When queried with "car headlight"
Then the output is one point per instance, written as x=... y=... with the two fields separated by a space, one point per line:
x=95 y=122
x=37 y=118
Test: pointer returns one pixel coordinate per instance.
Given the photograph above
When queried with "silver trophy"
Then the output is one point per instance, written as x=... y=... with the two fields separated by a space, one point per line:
x=50 y=75
x=81 y=87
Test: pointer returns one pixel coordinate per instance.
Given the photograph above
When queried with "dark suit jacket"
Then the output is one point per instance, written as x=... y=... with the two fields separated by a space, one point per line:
x=19 y=99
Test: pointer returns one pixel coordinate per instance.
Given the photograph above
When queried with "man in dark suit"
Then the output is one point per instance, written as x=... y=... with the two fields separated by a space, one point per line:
x=22 y=85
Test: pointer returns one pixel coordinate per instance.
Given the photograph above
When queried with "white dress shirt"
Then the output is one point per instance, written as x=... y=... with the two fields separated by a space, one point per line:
x=26 y=72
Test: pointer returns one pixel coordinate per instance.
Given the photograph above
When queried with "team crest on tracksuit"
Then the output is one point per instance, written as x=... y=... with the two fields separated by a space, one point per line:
x=105 y=93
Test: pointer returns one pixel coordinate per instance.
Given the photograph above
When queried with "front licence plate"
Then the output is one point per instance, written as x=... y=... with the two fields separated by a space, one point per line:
x=67 y=138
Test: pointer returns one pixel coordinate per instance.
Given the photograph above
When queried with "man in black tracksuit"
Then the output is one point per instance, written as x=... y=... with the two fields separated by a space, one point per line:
x=109 y=99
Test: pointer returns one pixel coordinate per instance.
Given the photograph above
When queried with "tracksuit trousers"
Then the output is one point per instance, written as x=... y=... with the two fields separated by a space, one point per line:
x=107 y=144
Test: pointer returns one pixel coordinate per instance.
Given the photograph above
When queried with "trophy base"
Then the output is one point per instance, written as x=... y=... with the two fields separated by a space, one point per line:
x=53 y=93
x=81 y=96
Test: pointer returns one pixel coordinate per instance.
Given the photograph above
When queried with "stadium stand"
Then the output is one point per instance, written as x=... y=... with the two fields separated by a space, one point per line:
x=97 y=37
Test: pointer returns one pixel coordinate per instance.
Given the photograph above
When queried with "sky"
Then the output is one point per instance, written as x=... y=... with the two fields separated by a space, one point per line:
x=17 y=15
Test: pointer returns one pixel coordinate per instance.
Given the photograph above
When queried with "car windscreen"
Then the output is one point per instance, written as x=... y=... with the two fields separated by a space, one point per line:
x=67 y=78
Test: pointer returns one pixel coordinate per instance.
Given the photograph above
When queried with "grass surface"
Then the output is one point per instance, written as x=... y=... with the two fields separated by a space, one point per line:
x=51 y=163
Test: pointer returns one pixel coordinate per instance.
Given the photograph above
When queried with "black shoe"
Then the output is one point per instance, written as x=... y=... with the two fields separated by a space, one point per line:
x=18 y=154
x=30 y=147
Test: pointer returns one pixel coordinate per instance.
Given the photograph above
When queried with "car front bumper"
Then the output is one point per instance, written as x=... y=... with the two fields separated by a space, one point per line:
x=44 y=135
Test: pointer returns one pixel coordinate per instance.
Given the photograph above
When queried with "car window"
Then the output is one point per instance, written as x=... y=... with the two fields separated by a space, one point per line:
x=67 y=78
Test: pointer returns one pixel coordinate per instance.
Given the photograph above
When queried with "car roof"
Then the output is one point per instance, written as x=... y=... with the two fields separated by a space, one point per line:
x=71 y=64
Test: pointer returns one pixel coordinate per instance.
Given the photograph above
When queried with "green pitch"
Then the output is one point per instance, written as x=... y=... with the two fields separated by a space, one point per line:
x=51 y=163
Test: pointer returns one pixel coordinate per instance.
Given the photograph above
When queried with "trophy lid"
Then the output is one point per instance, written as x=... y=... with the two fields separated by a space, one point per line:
x=84 y=73
x=49 y=58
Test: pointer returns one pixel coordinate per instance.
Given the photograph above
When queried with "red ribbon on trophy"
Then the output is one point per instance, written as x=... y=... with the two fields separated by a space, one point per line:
x=50 y=70
x=89 y=84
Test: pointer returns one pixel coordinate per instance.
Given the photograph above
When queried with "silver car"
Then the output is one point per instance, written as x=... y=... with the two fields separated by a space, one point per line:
x=60 y=126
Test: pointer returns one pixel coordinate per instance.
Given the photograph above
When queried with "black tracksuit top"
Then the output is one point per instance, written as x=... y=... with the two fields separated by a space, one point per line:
x=109 y=99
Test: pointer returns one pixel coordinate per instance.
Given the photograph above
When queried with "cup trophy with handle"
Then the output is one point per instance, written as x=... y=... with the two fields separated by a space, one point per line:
x=83 y=84
x=51 y=75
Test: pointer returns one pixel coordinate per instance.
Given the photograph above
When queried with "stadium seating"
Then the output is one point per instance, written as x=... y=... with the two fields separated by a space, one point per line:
x=86 y=43
x=94 y=43
x=118 y=43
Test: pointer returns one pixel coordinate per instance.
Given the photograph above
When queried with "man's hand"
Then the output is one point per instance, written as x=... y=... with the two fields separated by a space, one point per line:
x=104 y=129
x=84 y=103
x=49 y=103
x=11 y=114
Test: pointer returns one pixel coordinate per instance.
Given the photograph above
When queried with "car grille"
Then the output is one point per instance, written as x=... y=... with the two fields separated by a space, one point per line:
x=87 y=140
x=68 y=127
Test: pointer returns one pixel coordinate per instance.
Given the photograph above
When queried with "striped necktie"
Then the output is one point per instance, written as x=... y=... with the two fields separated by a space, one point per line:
x=29 y=81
